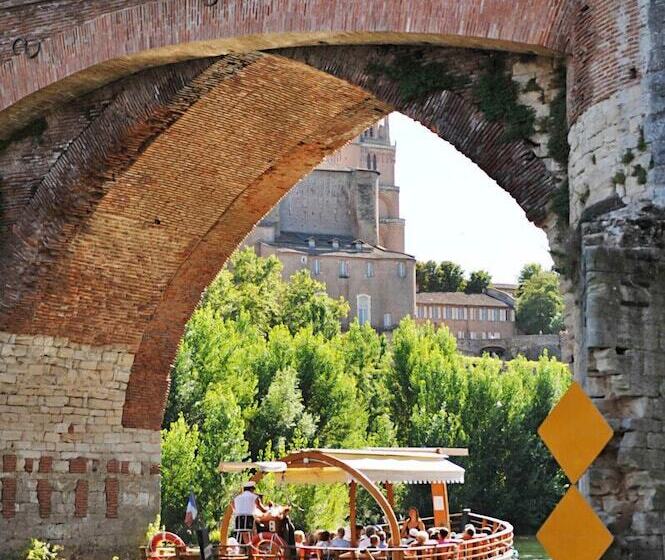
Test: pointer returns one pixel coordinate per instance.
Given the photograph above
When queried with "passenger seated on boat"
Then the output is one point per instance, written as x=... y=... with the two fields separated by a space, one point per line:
x=232 y=546
x=299 y=537
x=421 y=539
x=371 y=552
x=383 y=538
x=413 y=521
x=410 y=538
x=363 y=542
x=420 y=547
x=340 y=540
x=469 y=532
x=442 y=537
x=469 y=548
x=322 y=545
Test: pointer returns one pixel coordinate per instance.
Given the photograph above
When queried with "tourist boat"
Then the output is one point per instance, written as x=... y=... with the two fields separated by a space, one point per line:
x=376 y=470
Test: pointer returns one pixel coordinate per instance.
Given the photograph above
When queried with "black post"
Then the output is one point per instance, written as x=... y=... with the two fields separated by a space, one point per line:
x=205 y=548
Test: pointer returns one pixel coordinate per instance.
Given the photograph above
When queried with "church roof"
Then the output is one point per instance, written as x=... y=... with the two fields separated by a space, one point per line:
x=323 y=245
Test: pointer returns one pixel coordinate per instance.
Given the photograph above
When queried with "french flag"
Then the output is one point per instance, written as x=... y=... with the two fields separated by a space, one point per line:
x=192 y=511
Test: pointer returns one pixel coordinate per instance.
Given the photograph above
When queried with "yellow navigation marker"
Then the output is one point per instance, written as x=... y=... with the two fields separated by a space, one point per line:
x=575 y=432
x=573 y=531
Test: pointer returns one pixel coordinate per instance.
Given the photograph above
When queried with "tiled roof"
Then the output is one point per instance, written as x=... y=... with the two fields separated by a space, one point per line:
x=458 y=298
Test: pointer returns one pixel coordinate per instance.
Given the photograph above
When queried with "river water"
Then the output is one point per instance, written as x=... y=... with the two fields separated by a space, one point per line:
x=530 y=549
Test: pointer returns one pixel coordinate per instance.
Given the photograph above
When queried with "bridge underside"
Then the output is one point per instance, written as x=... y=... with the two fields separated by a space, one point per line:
x=121 y=202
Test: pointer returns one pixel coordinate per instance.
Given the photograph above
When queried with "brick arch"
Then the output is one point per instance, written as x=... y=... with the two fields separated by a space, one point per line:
x=453 y=115
x=120 y=251
x=85 y=46
x=144 y=203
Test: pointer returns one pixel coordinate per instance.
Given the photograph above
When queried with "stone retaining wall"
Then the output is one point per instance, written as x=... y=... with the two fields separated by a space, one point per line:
x=70 y=471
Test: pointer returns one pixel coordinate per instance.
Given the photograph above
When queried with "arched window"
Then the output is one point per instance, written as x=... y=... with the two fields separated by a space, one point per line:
x=369 y=162
x=364 y=308
x=374 y=162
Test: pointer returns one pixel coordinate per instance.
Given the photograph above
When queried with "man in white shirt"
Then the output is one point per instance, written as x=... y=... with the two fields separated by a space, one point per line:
x=245 y=506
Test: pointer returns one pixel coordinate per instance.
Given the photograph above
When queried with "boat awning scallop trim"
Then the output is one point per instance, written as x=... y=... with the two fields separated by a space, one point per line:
x=263 y=466
x=379 y=465
x=410 y=471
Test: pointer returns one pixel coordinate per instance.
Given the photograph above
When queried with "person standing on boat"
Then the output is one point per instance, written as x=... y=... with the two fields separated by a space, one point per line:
x=412 y=522
x=245 y=507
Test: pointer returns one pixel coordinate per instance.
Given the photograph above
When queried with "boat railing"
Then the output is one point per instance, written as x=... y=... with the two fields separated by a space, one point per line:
x=497 y=545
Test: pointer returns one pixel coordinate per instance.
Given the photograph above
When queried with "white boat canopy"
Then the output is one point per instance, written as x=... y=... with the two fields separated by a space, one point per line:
x=411 y=466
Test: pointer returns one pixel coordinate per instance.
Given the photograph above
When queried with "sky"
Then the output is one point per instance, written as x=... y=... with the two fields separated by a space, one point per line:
x=455 y=212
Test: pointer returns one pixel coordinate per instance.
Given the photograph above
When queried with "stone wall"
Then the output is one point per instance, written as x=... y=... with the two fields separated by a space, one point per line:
x=331 y=202
x=529 y=346
x=623 y=265
x=71 y=473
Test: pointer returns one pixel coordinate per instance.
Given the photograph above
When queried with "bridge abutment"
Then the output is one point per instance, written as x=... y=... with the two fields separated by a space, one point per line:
x=71 y=472
x=623 y=338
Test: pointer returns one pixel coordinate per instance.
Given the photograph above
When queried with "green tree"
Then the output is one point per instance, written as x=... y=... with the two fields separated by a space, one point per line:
x=180 y=466
x=540 y=304
x=306 y=304
x=366 y=357
x=478 y=282
x=528 y=271
x=248 y=284
x=222 y=438
x=426 y=280
x=450 y=277
x=289 y=379
x=443 y=277
x=281 y=416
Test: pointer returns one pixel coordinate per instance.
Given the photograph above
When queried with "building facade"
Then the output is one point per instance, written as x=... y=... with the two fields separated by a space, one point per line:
x=341 y=222
x=485 y=323
x=467 y=316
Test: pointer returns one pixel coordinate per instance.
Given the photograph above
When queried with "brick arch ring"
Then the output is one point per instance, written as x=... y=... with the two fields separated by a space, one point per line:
x=304 y=457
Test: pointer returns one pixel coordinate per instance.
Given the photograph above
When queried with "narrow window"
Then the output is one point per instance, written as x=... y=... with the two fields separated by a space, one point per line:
x=387 y=320
x=369 y=162
x=401 y=270
x=374 y=162
x=364 y=308
x=343 y=269
x=317 y=267
x=370 y=270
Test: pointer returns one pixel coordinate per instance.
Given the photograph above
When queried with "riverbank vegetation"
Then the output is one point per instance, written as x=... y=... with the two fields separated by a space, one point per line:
x=264 y=368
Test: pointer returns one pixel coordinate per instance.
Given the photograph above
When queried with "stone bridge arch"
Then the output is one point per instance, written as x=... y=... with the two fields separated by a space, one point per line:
x=101 y=128
x=126 y=213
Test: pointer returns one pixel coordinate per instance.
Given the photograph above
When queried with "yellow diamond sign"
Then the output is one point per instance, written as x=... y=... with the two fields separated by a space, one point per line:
x=575 y=432
x=573 y=530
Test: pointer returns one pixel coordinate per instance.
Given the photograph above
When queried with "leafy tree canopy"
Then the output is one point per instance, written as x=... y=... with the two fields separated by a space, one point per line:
x=478 y=282
x=539 y=302
x=448 y=276
x=263 y=368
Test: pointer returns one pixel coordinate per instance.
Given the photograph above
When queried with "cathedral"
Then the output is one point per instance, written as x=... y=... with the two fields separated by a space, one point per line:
x=342 y=223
